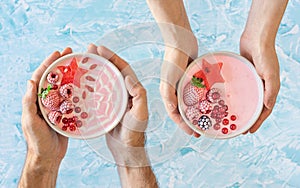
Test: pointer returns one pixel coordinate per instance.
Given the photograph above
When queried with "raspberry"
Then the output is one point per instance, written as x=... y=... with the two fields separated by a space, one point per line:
x=213 y=95
x=205 y=107
x=51 y=101
x=66 y=106
x=204 y=122
x=66 y=91
x=190 y=95
x=52 y=77
x=192 y=113
x=54 y=117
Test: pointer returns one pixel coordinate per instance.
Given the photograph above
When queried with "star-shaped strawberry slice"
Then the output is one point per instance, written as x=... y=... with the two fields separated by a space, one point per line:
x=210 y=74
x=72 y=73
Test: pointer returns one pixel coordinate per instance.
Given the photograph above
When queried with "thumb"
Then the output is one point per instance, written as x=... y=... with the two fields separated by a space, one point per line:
x=271 y=91
x=139 y=98
x=30 y=98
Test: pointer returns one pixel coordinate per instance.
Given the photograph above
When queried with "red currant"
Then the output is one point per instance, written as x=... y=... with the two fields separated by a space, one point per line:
x=64 y=128
x=72 y=127
x=78 y=123
x=77 y=109
x=225 y=121
x=65 y=120
x=232 y=126
x=75 y=99
x=84 y=115
x=217 y=126
x=224 y=130
x=233 y=117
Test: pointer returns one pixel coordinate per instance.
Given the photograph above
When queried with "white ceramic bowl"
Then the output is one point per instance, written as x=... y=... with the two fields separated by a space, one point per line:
x=228 y=77
x=98 y=99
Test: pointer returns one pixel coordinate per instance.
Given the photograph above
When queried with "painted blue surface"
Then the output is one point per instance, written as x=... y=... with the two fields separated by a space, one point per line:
x=30 y=30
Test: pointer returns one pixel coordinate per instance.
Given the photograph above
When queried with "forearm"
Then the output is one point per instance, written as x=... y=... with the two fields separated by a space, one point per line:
x=263 y=20
x=38 y=173
x=175 y=27
x=137 y=177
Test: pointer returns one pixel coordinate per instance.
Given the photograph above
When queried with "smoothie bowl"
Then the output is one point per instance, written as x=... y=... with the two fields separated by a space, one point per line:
x=220 y=95
x=82 y=95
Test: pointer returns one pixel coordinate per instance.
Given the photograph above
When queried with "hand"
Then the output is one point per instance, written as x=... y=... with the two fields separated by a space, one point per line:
x=266 y=64
x=127 y=140
x=46 y=148
x=42 y=141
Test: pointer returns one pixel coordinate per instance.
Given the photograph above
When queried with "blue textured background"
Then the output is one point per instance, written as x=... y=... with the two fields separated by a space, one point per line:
x=31 y=29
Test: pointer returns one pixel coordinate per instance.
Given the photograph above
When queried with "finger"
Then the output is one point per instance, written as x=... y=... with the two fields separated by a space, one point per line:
x=30 y=98
x=170 y=102
x=66 y=51
x=139 y=98
x=265 y=113
x=36 y=76
x=272 y=85
x=92 y=48
x=112 y=57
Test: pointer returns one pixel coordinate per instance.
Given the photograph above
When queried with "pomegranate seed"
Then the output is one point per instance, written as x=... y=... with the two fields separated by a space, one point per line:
x=225 y=121
x=70 y=120
x=69 y=111
x=225 y=114
x=75 y=99
x=77 y=109
x=78 y=123
x=89 y=78
x=232 y=126
x=217 y=126
x=83 y=94
x=72 y=127
x=64 y=128
x=225 y=107
x=58 y=119
x=84 y=115
x=224 y=130
x=89 y=88
x=85 y=60
x=233 y=117
x=93 y=66
x=65 y=120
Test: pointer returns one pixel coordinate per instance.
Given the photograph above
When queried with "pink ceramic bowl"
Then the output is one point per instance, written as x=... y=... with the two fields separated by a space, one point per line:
x=220 y=95
x=82 y=96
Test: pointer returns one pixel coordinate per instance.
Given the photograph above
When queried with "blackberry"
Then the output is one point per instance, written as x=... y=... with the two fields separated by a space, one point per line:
x=204 y=122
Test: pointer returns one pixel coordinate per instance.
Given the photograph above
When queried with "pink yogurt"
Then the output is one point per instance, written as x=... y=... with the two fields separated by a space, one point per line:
x=99 y=95
x=241 y=90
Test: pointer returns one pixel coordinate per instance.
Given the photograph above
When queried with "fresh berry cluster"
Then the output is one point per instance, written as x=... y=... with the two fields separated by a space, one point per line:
x=206 y=107
x=59 y=100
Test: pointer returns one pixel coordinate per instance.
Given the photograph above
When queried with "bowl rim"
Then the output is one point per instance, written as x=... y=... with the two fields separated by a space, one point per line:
x=259 y=106
x=106 y=62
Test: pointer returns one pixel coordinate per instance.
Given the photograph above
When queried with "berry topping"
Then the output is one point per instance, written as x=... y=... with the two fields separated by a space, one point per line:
x=54 y=87
x=213 y=95
x=192 y=113
x=66 y=106
x=66 y=91
x=65 y=120
x=79 y=123
x=52 y=77
x=84 y=115
x=64 y=128
x=205 y=107
x=51 y=100
x=77 y=109
x=225 y=121
x=204 y=122
x=233 y=117
x=190 y=95
x=224 y=130
x=233 y=126
x=221 y=102
x=75 y=99
x=72 y=127
x=217 y=126
x=54 y=117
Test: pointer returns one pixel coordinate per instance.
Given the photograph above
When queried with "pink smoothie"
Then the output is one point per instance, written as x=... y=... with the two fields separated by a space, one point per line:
x=99 y=97
x=236 y=83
